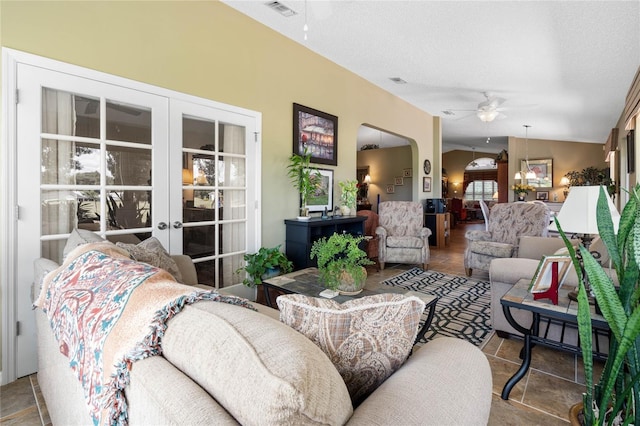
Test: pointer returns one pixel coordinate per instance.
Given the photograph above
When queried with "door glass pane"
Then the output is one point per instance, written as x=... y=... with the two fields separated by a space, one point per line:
x=128 y=166
x=199 y=241
x=198 y=134
x=128 y=123
x=232 y=139
x=68 y=163
x=69 y=114
x=58 y=211
x=234 y=171
x=234 y=204
x=129 y=209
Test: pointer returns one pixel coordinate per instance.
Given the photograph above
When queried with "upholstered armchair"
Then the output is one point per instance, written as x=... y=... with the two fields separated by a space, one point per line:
x=403 y=237
x=507 y=223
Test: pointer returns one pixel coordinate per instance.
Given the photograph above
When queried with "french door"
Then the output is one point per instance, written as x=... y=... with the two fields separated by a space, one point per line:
x=126 y=163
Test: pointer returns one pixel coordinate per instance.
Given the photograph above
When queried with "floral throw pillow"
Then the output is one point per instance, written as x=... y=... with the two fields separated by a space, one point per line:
x=367 y=339
x=151 y=251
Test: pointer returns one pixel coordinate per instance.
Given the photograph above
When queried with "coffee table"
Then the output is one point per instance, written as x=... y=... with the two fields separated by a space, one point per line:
x=307 y=282
x=564 y=313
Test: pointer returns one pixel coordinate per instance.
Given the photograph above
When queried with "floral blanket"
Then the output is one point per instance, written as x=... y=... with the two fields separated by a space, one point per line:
x=107 y=311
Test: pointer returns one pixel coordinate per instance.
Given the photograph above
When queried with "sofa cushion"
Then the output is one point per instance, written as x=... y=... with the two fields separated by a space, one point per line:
x=260 y=370
x=367 y=338
x=491 y=248
x=404 y=242
x=151 y=251
x=79 y=237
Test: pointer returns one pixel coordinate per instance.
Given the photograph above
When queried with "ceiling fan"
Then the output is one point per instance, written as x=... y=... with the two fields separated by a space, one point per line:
x=487 y=111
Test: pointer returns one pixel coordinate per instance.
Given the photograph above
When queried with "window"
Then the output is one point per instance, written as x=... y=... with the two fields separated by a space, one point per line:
x=481 y=190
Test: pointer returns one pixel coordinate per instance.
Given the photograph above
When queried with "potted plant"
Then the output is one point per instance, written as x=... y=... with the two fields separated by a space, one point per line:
x=304 y=178
x=617 y=393
x=341 y=262
x=348 y=195
x=266 y=263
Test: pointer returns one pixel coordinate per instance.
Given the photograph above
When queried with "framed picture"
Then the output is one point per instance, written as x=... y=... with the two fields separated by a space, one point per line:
x=316 y=132
x=426 y=184
x=407 y=172
x=399 y=180
x=542 y=279
x=542 y=195
x=391 y=189
x=543 y=170
x=323 y=196
x=631 y=152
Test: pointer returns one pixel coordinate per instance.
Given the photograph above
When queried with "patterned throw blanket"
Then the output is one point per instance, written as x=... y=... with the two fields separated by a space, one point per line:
x=107 y=311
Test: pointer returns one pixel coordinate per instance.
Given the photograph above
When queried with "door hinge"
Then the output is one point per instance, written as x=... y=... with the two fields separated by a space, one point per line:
x=17 y=212
x=18 y=328
x=17 y=96
x=255 y=136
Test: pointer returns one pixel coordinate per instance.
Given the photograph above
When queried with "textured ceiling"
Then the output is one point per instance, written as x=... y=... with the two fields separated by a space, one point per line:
x=562 y=67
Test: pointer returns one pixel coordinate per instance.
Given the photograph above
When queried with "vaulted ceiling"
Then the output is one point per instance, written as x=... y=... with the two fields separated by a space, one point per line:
x=562 y=67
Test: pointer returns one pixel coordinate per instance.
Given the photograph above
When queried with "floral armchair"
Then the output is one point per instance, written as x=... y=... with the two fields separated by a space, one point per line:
x=402 y=235
x=507 y=223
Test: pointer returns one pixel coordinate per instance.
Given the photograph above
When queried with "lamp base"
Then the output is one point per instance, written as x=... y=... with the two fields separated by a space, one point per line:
x=573 y=295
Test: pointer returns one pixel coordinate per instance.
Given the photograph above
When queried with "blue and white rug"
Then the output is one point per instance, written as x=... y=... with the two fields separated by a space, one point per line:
x=463 y=307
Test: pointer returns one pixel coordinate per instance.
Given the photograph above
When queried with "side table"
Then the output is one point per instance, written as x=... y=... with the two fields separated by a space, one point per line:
x=564 y=313
x=307 y=282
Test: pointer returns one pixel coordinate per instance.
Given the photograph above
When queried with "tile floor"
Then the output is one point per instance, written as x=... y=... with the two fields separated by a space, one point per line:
x=542 y=397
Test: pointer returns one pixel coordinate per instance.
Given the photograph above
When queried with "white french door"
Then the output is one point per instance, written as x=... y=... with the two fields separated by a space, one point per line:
x=126 y=161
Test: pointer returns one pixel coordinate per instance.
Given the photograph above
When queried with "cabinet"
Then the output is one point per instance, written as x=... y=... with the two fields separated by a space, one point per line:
x=301 y=234
x=440 y=226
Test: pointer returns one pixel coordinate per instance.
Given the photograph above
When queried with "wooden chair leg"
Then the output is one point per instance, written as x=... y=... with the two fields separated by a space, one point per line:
x=468 y=271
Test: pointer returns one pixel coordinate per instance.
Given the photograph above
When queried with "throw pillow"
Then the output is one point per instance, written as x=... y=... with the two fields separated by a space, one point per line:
x=367 y=339
x=79 y=237
x=597 y=249
x=151 y=251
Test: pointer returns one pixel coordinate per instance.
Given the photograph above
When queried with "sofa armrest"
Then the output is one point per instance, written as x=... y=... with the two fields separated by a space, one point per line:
x=381 y=232
x=425 y=233
x=187 y=268
x=447 y=381
x=536 y=247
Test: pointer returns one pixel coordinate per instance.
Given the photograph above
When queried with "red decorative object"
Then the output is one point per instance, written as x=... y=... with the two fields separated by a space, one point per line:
x=552 y=293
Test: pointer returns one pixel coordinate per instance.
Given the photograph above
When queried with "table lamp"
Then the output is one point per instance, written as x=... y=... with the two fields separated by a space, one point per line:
x=578 y=216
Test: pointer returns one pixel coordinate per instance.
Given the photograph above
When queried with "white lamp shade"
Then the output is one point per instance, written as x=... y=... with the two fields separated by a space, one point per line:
x=578 y=213
x=530 y=175
x=518 y=176
x=367 y=179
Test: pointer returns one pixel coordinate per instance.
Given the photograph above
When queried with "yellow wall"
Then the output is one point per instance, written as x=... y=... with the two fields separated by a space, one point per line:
x=454 y=163
x=566 y=156
x=209 y=50
x=384 y=166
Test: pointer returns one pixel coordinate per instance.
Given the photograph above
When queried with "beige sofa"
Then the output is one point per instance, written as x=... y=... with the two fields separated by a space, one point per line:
x=224 y=364
x=505 y=272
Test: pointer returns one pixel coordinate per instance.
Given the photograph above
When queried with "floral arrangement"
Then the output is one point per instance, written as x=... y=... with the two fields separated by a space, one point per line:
x=521 y=187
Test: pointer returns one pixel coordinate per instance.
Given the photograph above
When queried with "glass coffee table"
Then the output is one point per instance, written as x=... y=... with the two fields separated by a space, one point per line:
x=543 y=311
x=307 y=282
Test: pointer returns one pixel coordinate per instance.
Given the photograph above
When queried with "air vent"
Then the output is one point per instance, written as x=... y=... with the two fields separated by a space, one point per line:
x=448 y=112
x=397 y=80
x=281 y=8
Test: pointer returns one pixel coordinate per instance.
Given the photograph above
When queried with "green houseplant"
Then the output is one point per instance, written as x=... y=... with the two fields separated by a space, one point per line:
x=348 y=195
x=303 y=177
x=266 y=262
x=341 y=262
x=614 y=399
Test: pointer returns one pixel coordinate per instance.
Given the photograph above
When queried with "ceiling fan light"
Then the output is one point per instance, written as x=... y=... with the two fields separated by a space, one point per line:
x=487 y=115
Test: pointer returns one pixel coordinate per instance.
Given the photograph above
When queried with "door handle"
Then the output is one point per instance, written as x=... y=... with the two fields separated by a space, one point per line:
x=177 y=224
x=162 y=226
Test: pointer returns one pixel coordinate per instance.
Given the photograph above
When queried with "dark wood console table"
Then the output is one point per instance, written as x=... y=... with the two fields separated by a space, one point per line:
x=301 y=234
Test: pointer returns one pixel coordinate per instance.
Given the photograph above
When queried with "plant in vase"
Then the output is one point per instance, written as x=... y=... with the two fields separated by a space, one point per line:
x=616 y=397
x=348 y=195
x=304 y=178
x=521 y=190
x=341 y=262
x=266 y=263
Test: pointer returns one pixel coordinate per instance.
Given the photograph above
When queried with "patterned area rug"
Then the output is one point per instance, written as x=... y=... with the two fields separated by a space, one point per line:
x=463 y=307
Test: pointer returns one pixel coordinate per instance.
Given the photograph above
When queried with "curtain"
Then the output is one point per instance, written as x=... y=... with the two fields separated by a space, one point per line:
x=59 y=207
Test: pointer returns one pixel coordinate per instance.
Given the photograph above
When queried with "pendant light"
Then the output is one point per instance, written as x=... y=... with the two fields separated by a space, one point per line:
x=530 y=174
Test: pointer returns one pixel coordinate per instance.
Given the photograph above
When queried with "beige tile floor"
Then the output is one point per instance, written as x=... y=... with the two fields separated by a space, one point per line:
x=542 y=397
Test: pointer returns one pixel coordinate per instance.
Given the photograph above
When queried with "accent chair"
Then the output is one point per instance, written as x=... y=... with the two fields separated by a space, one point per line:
x=403 y=236
x=507 y=223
